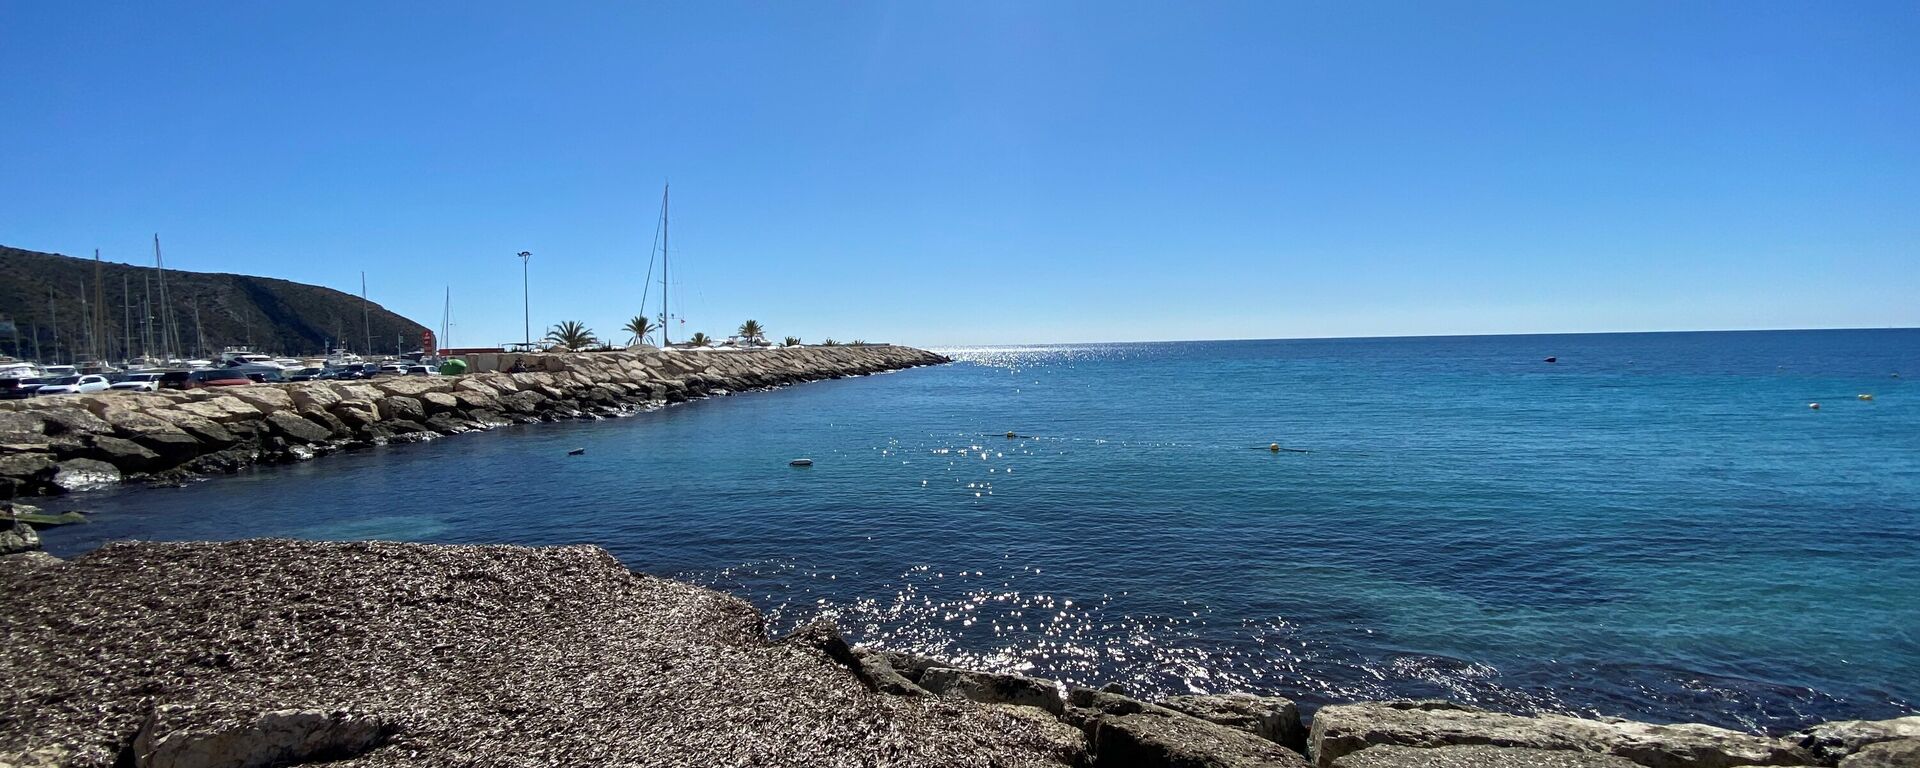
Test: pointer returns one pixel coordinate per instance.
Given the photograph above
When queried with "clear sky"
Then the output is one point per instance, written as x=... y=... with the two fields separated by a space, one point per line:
x=985 y=172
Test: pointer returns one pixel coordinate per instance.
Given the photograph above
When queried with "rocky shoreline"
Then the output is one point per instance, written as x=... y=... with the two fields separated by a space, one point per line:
x=67 y=443
x=270 y=652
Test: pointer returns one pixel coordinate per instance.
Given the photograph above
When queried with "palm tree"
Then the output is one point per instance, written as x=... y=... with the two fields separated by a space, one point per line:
x=571 y=334
x=699 y=339
x=751 y=331
x=829 y=343
x=857 y=343
x=639 y=328
x=791 y=341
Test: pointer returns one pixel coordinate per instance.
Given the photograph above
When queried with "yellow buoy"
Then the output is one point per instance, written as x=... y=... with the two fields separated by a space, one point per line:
x=1273 y=447
x=1866 y=397
x=1011 y=435
x=1815 y=406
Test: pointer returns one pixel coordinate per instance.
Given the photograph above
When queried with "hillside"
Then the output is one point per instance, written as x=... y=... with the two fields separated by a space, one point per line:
x=273 y=316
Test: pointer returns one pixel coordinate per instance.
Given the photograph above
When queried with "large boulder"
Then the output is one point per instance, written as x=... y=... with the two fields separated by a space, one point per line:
x=1830 y=742
x=1341 y=729
x=173 y=448
x=356 y=414
x=399 y=407
x=439 y=402
x=72 y=420
x=993 y=688
x=314 y=395
x=265 y=399
x=127 y=455
x=22 y=422
x=1154 y=740
x=412 y=386
x=26 y=473
x=85 y=475
x=1269 y=717
x=221 y=409
x=1899 y=753
x=297 y=428
x=878 y=672
x=477 y=400
x=135 y=424
x=1478 y=756
x=192 y=737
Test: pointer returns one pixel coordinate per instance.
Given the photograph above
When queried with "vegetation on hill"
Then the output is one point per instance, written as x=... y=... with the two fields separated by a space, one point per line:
x=46 y=303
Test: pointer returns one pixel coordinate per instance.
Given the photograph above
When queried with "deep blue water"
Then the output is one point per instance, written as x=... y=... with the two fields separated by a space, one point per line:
x=1657 y=526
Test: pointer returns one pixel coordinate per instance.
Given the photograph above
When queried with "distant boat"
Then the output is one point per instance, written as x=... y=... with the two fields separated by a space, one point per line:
x=1553 y=359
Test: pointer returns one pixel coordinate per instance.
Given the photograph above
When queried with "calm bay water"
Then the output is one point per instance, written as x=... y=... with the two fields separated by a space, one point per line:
x=1657 y=526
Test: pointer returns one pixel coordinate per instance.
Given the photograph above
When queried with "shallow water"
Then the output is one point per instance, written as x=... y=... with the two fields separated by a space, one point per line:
x=1657 y=526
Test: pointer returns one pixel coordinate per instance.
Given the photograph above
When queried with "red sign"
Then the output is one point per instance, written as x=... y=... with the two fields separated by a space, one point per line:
x=426 y=343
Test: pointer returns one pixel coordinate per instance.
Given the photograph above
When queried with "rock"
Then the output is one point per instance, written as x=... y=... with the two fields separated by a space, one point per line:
x=1341 y=729
x=1899 y=753
x=910 y=665
x=72 y=420
x=27 y=422
x=297 y=428
x=400 y=407
x=313 y=396
x=203 y=429
x=44 y=757
x=1269 y=717
x=993 y=688
x=1152 y=740
x=27 y=473
x=186 y=737
x=525 y=401
x=1829 y=743
x=356 y=414
x=85 y=475
x=880 y=675
x=475 y=400
x=126 y=455
x=17 y=537
x=411 y=386
x=1478 y=756
x=821 y=635
x=439 y=402
x=221 y=409
x=268 y=399
x=448 y=424
x=173 y=448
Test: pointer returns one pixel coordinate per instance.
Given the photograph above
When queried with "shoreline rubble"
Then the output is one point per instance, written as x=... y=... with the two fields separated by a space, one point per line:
x=69 y=443
x=279 y=652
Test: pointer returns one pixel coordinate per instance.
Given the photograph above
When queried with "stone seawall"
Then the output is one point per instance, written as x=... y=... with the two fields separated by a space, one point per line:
x=74 y=442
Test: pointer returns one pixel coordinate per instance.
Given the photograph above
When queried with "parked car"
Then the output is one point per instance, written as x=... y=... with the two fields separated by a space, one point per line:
x=75 y=385
x=137 y=382
x=266 y=377
x=391 y=369
x=220 y=377
x=304 y=374
x=19 y=389
x=421 y=370
x=177 y=380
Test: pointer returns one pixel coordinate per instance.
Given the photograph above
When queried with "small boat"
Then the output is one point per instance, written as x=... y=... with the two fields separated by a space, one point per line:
x=1553 y=359
x=800 y=463
x=577 y=452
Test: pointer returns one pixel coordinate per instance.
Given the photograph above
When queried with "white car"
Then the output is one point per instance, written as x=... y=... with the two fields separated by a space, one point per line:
x=73 y=385
x=137 y=382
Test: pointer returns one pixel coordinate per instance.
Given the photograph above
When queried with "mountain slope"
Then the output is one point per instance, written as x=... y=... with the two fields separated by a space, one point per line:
x=273 y=316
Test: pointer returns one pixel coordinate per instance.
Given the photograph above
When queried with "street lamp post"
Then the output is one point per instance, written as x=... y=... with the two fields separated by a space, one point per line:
x=526 y=301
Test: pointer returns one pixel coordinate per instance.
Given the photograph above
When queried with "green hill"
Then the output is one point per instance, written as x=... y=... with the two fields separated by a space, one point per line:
x=46 y=300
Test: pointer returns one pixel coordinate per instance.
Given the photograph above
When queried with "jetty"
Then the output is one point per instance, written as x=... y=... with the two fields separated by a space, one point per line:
x=69 y=443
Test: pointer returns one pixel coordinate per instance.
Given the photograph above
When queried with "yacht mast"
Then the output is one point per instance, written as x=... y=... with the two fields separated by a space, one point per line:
x=665 y=318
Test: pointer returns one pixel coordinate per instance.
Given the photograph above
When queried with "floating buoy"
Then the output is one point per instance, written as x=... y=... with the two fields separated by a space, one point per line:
x=577 y=452
x=1553 y=359
x=800 y=463
x=1815 y=406
x=1864 y=396
x=1011 y=435
x=1273 y=447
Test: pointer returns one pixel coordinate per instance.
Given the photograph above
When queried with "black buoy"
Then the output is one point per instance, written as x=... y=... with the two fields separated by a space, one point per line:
x=577 y=452
x=1553 y=359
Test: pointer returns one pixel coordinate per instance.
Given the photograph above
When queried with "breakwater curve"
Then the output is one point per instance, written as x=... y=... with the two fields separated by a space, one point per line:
x=67 y=443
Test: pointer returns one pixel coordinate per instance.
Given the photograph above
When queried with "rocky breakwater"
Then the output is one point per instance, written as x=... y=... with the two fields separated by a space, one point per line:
x=74 y=442
x=269 y=653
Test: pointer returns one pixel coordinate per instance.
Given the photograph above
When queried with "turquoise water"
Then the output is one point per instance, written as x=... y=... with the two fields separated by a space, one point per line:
x=1656 y=526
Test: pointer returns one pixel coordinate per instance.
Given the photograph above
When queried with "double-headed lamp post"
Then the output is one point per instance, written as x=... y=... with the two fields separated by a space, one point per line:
x=526 y=301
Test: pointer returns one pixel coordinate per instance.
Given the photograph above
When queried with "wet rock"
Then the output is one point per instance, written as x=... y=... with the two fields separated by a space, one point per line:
x=298 y=428
x=356 y=414
x=85 y=475
x=1829 y=743
x=525 y=401
x=1269 y=717
x=1899 y=753
x=172 y=448
x=1478 y=756
x=993 y=688
x=27 y=473
x=192 y=737
x=448 y=424
x=1341 y=729
x=203 y=429
x=17 y=537
x=873 y=668
x=22 y=422
x=439 y=402
x=1152 y=740
x=476 y=400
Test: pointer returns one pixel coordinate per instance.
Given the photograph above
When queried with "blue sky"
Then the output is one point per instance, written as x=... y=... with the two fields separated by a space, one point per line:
x=940 y=173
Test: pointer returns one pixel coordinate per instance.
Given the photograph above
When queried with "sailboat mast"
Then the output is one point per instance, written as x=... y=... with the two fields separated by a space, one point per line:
x=666 y=319
x=126 y=317
x=169 y=338
x=366 y=313
x=446 y=320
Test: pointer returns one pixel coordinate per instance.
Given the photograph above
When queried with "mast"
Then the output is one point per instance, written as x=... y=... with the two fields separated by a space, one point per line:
x=54 y=311
x=86 y=319
x=665 y=318
x=200 y=335
x=169 y=338
x=100 y=343
x=366 y=314
x=446 y=321
x=126 y=316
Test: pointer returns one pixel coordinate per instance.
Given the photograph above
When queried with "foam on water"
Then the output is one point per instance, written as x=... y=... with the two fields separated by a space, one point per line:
x=1656 y=526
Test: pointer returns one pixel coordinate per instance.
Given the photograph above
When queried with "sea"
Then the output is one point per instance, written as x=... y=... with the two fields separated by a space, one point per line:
x=1655 y=526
